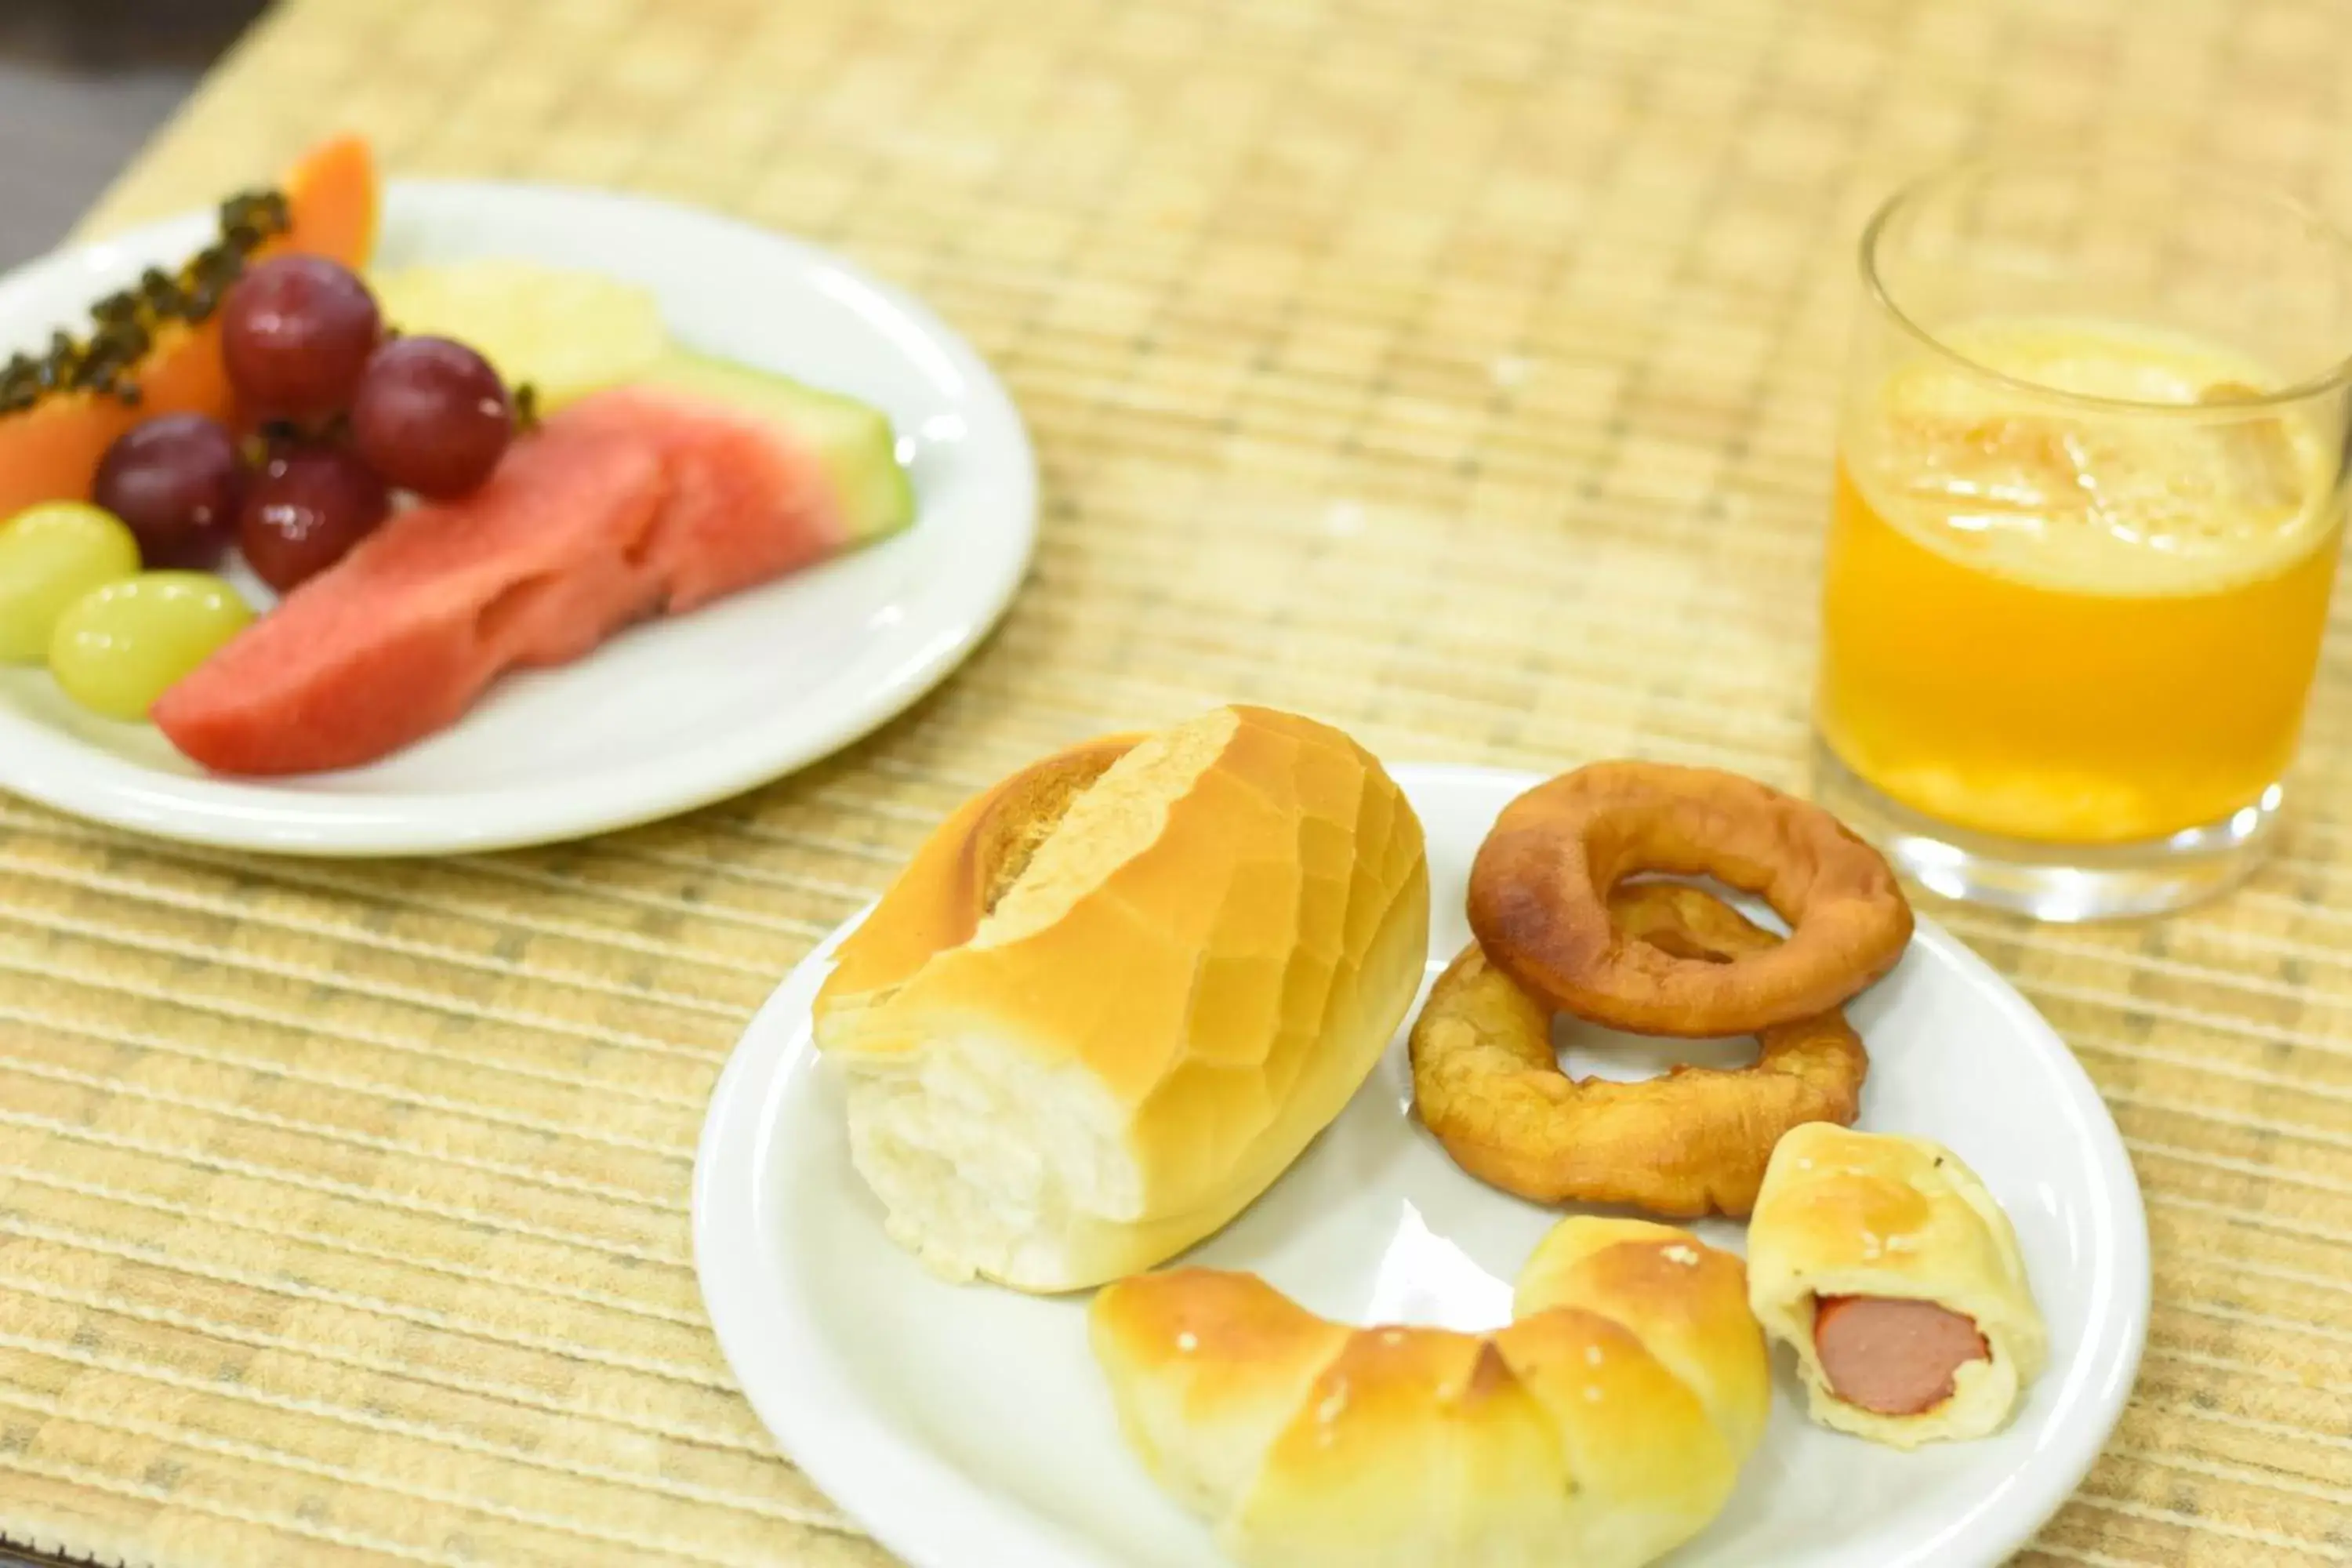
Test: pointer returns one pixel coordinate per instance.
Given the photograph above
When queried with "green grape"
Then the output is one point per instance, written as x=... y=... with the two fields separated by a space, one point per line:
x=116 y=650
x=50 y=555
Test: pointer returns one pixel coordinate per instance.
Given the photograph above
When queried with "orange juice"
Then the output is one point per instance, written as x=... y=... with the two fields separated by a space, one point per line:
x=2073 y=623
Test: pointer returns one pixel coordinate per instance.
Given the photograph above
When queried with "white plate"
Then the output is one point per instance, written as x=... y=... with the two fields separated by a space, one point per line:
x=670 y=715
x=967 y=1428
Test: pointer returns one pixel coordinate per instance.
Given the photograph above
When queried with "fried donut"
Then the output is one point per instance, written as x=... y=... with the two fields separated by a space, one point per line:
x=1540 y=884
x=1487 y=1081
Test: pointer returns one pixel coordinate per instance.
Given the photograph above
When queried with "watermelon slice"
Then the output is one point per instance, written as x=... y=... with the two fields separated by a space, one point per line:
x=748 y=501
x=851 y=440
x=634 y=502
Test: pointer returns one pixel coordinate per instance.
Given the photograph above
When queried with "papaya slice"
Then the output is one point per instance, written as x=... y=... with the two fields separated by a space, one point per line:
x=50 y=451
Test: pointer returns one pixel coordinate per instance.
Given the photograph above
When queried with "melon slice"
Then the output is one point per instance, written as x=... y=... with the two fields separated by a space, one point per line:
x=50 y=451
x=629 y=504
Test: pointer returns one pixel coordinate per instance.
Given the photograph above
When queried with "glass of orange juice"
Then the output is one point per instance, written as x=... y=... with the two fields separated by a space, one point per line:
x=2089 y=495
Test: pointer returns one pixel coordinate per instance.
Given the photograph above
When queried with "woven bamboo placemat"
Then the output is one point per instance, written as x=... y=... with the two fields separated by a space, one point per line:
x=1459 y=371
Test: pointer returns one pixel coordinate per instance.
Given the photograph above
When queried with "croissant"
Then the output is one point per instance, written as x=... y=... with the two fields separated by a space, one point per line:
x=1604 y=1426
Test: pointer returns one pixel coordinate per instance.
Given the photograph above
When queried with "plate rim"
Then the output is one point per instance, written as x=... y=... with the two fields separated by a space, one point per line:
x=965 y=1526
x=56 y=770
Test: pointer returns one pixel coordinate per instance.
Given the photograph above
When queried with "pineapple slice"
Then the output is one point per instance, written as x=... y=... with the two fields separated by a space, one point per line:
x=566 y=333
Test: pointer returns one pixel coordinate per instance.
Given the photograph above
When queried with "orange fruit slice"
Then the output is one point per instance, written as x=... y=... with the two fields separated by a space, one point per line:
x=50 y=451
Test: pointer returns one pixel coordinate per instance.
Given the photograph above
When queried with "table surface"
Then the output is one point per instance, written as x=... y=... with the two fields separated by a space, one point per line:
x=1458 y=371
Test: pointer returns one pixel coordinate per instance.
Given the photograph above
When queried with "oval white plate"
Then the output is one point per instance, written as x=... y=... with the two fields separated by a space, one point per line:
x=966 y=1427
x=670 y=715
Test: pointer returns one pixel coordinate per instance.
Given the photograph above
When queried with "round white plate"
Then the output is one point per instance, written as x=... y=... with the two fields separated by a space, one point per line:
x=967 y=1428
x=670 y=715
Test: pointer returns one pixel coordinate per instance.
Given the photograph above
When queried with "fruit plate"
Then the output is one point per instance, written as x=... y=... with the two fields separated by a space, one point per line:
x=966 y=1427
x=672 y=714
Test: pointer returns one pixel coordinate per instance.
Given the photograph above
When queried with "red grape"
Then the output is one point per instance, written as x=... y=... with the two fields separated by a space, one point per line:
x=174 y=480
x=432 y=415
x=309 y=505
x=296 y=333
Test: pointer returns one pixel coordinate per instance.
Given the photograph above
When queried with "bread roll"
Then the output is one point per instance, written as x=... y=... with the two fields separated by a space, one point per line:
x=1888 y=1266
x=1603 y=1427
x=1112 y=998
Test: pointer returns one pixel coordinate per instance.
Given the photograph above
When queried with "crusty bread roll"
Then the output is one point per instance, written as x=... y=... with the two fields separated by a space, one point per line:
x=1603 y=1427
x=1114 y=997
x=1899 y=1230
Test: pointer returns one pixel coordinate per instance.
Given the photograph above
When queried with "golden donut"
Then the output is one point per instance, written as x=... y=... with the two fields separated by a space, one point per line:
x=1540 y=884
x=1487 y=1083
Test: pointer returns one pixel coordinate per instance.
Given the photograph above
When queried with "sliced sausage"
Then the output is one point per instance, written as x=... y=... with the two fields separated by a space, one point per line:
x=1892 y=1356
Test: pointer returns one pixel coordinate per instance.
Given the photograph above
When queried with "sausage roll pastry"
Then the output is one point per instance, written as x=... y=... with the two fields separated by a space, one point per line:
x=1887 y=1267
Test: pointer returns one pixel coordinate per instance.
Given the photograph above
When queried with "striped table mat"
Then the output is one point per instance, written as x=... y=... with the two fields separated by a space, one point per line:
x=1458 y=371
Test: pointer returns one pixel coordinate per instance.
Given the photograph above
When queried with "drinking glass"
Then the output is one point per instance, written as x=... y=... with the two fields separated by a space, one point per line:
x=2089 y=493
